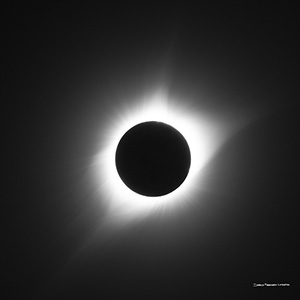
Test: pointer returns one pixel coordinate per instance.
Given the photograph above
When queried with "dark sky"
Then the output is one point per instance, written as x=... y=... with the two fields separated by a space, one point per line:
x=62 y=61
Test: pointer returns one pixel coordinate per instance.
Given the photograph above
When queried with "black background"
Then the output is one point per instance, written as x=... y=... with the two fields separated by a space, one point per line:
x=55 y=55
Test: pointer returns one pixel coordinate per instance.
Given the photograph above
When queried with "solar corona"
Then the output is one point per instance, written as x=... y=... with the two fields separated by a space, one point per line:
x=152 y=154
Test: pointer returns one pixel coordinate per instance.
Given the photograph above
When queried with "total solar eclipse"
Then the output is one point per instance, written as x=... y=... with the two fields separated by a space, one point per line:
x=153 y=159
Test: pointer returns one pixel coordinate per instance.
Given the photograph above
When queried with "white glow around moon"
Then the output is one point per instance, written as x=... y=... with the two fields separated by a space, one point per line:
x=204 y=133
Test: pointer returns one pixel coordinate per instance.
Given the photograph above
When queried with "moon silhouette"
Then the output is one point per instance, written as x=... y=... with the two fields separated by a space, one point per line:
x=153 y=159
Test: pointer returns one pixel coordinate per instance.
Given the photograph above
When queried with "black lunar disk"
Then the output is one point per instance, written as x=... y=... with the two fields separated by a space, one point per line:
x=153 y=159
